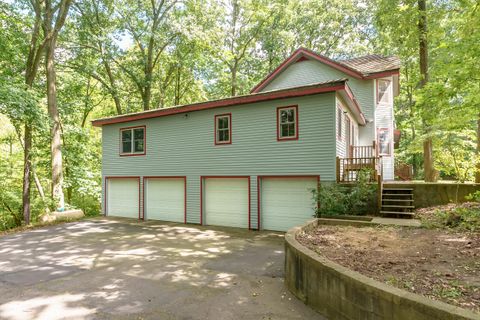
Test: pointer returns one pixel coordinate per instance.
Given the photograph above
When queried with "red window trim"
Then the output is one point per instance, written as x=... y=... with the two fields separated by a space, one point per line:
x=295 y=107
x=229 y=115
x=259 y=178
x=168 y=177
x=390 y=143
x=204 y=178
x=121 y=154
x=106 y=197
x=378 y=92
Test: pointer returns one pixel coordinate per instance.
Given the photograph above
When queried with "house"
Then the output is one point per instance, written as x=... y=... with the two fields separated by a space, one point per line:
x=251 y=161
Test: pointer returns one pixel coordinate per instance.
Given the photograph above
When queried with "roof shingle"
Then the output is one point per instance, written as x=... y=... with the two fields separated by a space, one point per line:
x=371 y=64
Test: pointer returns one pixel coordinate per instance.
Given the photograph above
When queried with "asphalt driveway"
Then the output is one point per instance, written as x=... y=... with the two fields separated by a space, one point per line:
x=121 y=269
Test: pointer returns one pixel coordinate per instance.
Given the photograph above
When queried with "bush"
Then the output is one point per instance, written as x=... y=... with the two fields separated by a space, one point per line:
x=474 y=196
x=462 y=218
x=336 y=199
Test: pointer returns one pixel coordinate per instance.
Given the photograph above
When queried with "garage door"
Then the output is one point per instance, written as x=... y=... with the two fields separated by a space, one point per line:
x=286 y=202
x=123 y=197
x=165 y=199
x=226 y=202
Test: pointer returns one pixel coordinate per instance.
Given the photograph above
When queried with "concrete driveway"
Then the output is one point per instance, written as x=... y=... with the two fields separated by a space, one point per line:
x=121 y=269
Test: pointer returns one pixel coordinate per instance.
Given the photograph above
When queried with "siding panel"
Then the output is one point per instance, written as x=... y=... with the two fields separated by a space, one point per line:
x=180 y=145
x=309 y=71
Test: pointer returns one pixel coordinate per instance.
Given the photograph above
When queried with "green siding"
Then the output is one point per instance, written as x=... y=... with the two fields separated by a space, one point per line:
x=309 y=71
x=184 y=146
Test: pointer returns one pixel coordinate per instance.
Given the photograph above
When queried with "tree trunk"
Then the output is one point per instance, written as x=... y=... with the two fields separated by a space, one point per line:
x=27 y=165
x=234 y=78
x=56 y=142
x=113 y=86
x=477 y=173
x=177 y=87
x=428 y=161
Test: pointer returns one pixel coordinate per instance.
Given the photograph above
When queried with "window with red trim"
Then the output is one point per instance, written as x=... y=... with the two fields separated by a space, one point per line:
x=384 y=141
x=384 y=91
x=287 y=123
x=223 y=129
x=132 y=141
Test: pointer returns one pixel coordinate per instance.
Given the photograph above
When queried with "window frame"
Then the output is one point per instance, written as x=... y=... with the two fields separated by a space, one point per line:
x=339 y=125
x=132 y=153
x=216 y=136
x=295 y=122
x=389 y=132
x=389 y=89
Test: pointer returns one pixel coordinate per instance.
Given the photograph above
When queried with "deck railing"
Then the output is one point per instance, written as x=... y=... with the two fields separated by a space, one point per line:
x=363 y=151
x=349 y=168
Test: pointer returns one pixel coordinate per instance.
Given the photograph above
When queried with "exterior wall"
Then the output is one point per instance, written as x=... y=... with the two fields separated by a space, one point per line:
x=310 y=71
x=384 y=118
x=341 y=142
x=380 y=116
x=181 y=145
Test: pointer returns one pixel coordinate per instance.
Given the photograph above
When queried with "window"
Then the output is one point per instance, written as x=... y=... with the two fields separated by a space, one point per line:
x=223 y=129
x=384 y=141
x=287 y=123
x=348 y=130
x=383 y=90
x=339 y=122
x=132 y=141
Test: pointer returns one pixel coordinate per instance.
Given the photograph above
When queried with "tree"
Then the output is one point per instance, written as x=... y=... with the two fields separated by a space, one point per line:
x=54 y=15
x=428 y=164
x=23 y=98
x=149 y=25
x=94 y=30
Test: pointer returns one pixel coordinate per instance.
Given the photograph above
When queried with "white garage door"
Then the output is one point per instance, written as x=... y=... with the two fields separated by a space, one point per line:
x=286 y=202
x=165 y=199
x=123 y=197
x=226 y=202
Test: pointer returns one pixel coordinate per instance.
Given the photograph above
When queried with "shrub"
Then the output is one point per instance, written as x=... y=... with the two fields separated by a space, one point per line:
x=475 y=196
x=331 y=199
x=336 y=199
x=463 y=218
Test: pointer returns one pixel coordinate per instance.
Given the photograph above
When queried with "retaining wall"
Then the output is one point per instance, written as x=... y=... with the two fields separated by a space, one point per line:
x=340 y=293
x=433 y=194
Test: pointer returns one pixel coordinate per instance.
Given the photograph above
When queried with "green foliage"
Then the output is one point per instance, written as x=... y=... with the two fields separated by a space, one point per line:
x=335 y=199
x=465 y=217
x=450 y=102
x=331 y=199
x=475 y=196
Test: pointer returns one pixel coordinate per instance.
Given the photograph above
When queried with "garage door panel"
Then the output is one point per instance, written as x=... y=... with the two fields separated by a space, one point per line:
x=123 y=197
x=165 y=199
x=226 y=202
x=286 y=202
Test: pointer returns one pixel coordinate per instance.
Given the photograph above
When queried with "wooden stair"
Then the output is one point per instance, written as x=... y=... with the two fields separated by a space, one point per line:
x=397 y=202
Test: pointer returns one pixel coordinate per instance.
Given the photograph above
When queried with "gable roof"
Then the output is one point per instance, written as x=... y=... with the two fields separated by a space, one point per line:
x=367 y=67
x=339 y=86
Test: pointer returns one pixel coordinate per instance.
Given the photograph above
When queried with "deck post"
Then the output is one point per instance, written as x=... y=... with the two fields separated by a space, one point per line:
x=379 y=193
x=338 y=169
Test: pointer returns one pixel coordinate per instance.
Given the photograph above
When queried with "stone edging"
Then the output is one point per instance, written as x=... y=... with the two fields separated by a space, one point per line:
x=340 y=293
